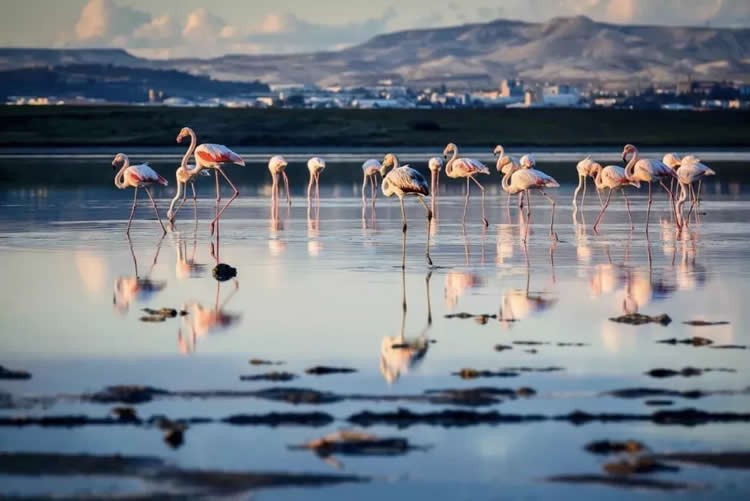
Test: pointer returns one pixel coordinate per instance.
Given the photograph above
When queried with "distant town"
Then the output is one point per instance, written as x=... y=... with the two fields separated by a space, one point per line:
x=687 y=95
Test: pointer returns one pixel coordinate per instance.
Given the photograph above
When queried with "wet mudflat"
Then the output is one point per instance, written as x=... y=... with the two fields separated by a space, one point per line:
x=304 y=376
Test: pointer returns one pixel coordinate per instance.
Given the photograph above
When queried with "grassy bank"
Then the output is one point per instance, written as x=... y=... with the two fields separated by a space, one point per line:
x=152 y=126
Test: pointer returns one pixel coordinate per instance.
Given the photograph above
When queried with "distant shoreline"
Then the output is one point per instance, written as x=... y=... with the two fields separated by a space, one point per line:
x=146 y=127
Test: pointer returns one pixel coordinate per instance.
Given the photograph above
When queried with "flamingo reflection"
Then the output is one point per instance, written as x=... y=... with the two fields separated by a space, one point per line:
x=185 y=266
x=202 y=321
x=517 y=304
x=132 y=288
x=398 y=354
x=457 y=283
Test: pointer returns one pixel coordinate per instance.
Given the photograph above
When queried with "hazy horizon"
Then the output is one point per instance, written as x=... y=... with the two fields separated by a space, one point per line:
x=172 y=29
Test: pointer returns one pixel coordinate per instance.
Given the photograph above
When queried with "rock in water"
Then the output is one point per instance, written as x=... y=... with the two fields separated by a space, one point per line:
x=223 y=272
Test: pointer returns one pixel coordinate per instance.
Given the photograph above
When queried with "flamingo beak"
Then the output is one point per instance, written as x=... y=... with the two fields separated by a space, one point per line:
x=625 y=157
x=179 y=138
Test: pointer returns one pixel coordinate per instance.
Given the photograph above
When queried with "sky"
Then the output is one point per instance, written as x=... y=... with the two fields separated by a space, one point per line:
x=179 y=28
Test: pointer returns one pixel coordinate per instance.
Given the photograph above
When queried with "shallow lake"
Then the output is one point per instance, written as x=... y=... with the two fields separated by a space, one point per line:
x=325 y=288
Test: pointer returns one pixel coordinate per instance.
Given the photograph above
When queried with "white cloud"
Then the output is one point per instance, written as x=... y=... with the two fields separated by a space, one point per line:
x=102 y=19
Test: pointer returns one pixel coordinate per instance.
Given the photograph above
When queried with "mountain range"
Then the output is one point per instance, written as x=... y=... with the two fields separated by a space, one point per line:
x=571 y=49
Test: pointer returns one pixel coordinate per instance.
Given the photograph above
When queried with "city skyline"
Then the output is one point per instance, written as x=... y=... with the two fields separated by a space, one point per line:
x=170 y=28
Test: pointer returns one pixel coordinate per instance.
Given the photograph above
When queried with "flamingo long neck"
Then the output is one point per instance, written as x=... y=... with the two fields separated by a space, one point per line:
x=176 y=197
x=631 y=165
x=598 y=178
x=190 y=150
x=505 y=183
x=120 y=176
x=449 y=165
x=500 y=159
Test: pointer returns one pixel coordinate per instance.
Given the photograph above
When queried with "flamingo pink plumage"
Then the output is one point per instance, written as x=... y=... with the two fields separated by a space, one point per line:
x=611 y=177
x=647 y=170
x=212 y=156
x=690 y=171
x=137 y=176
x=468 y=168
x=370 y=170
x=522 y=180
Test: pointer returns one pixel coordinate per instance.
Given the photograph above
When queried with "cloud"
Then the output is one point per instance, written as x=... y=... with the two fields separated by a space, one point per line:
x=103 y=19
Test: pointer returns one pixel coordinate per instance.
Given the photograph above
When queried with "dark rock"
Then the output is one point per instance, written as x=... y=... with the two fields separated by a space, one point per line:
x=733 y=459
x=11 y=374
x=298 y=396
x=626 y=482
x=695 y=341
x=126 y=414
x=162 y=312
x=530 y=343
x=125 y=394
x=321 y=370
x=152 y=318
x=473 y=397
x=481 y=317
x=577 y=345
x=640 y=464
x=474 y=373
x=703 y=323
x=525 y=391
x=613 y=447
x=175 y=437
x=446 y=418
x=532 y=351
x=640 y=319
x=729 y=347
x=270 y=376
x=502 y=347
x=657 y=402
x=259 y=361
x=223 y=272
x=281 y=419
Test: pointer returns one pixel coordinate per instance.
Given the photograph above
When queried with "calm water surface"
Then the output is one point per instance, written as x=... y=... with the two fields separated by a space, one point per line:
x=328 y=290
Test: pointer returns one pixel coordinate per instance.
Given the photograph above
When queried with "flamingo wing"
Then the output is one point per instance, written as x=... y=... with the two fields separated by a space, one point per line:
x=543 y=179
x=370 y=164
x=218 y=154
x=469 y=167
x=143 y=173
x=409 y=180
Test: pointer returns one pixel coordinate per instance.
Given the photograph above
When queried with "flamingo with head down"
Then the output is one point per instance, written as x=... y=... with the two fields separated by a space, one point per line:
x=611 y=177
x=467 y=168
x=212 y=156
x=584 y=169
x=690 y=171
x=185 y=174
x=315 y=165
x=370 y=171
x=137 y=176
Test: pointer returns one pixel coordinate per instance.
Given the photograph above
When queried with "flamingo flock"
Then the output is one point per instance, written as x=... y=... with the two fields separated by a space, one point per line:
x=519 y=176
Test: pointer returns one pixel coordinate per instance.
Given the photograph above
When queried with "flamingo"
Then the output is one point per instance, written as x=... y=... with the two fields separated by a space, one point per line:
x=690 y=171
x=522 y=180
x=212 y=156
x=468 y=168
x=503 y=165
x=206 y=320
x=435 y=164
x=315 y=165
x=370 y=170
x=612 y=177
x=185 y=174
x=584 y=169
x=648 y=171
x=403 y=181
x=277 y=164
x=137 y=176
x=671 y=160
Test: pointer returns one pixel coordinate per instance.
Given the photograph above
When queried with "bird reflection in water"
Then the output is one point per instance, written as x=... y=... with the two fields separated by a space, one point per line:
x=398 y=354
x=136 y=288
x=276 y=247
x=504 y=243
x=517 y=304
x=457 y=283
x=185 y=266
x=314 y=245
x=201 y=321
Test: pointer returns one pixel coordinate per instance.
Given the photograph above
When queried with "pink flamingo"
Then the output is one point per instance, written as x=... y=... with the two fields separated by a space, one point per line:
x=370 y=169
x=647 y=170
x=185 y=174
x=315 y=165
x=212 y=156
x=612 y=177
x=584 y=169
x=468 y=168
x=690 y=171
x=522 y=180
x=137 y=176
x=277 y=164
x=504 y=164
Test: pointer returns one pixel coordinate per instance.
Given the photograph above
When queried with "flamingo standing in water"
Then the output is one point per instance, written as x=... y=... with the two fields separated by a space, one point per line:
x=504 y=164
x=522 y=180
x=690 y=171
x=137 y=176
x=315 y=165
x=647 y=171
x=277 y=165
x=584 y=169
x=468 y=168
x=185 y=174
x=370 y=170
x=403 y=181
x=212 y=156
x=612 y=177
x=435 y=164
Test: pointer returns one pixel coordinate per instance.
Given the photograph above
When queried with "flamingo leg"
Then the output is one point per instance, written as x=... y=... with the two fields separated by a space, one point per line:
x=583 y=198
x=604 y=208
x=598 y=192
x=466 y=201
x=156 y=211
x=231 y=199
x=692 y=204
x=274 y=194
x=317 y=187
x=648 y=210
x=671 y=198
x=309 y=189
x=484 y=219
x=552 y=233
x=429 y=222
x=132 y=211
x=627 y=205
x=286 y=188
x=698 y=196
x=575 y=193
x=373 y=188
x=182 y=202
x=218 y=190
x=528 y=204
x=403 y=215
x=365 y=179
x=195 y=203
